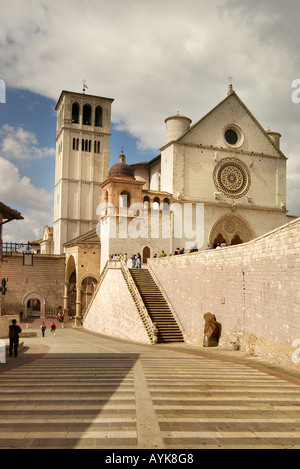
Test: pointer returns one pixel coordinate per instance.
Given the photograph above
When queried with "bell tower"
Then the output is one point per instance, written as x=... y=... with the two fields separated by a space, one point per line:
x=82 y=163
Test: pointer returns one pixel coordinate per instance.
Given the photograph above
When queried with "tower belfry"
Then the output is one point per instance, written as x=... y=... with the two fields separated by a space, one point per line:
x=82 y=163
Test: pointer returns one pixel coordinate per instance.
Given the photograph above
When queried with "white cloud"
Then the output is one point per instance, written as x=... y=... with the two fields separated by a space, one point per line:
x=35 y=204
x=18 y=144
x=156 y=58
x=29 y=229
x=153 y=57
x=19 y=190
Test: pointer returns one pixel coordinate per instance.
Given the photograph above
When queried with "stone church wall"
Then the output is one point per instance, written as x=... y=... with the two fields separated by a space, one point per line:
x=113 y=311
x=252 y=289
x=43 y=281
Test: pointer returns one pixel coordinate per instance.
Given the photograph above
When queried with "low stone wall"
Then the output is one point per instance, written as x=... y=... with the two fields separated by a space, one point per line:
x=113 y=311
x=252 y=289
x=5 y=322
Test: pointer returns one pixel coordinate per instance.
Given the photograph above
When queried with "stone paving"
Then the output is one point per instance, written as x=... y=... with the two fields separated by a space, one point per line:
x=81 y=390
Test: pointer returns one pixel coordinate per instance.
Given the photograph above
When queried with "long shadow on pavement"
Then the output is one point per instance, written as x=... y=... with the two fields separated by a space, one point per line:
x=69 y=401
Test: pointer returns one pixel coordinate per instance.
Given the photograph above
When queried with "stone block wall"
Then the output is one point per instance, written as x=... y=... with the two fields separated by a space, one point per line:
x=113 y=311
x=252 y=288
x=44 y=281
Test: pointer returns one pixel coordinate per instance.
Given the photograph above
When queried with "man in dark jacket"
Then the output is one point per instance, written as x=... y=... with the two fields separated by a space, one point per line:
x=14 y=332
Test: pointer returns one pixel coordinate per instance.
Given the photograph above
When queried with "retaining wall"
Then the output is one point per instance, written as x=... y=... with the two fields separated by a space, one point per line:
x=252 y=288
x=113 y=311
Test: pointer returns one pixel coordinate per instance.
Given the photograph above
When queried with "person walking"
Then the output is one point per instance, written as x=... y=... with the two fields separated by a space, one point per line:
x=43 y=328
x=14 y=332
x=53 y=328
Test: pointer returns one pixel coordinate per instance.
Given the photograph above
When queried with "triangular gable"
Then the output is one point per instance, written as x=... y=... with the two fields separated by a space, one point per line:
x=48 y=232
x=91 y=237
x=209 y=130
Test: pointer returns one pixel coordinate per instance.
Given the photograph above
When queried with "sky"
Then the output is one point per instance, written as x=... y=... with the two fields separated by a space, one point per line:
x=154 y=58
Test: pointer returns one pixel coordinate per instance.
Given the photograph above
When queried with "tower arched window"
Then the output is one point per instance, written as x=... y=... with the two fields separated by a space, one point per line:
x=96 y=146
x=98 y=116
x=156 y=203
x=166 y=205
x=124 y=200
x=75 y=113
x=87 y=115
x=146 y=202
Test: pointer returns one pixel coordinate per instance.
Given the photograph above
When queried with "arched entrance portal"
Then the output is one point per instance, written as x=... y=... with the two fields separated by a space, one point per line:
x=146 y=254
x=88 y=287
x=34 y=305
x=231 y=230
x=70 y=288
x=72 y=294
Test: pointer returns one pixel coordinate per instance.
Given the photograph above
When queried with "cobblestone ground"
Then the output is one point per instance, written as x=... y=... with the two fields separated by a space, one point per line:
x=82 y=390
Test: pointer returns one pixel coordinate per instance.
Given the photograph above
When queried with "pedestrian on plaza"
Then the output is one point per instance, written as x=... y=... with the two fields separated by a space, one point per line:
x=138 y=261
x=43 y=328
x=53 y=328
x=14 y=332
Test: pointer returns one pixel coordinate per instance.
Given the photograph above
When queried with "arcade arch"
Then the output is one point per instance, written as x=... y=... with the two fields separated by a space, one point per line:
x=34 y=305
x=231 y=230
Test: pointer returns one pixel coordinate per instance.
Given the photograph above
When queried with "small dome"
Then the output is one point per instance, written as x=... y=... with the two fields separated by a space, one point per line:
x=121 y=169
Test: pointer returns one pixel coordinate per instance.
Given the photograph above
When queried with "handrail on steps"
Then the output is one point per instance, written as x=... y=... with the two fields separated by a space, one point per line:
x=142 y=310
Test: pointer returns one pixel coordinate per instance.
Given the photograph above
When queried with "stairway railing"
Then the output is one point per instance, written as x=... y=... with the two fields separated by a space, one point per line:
x=142 y=310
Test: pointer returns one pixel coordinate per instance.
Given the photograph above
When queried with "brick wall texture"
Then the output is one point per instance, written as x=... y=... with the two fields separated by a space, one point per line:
x=252 y=288
x=44 y=280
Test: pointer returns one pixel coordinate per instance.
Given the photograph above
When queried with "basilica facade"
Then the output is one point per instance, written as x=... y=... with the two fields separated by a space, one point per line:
x=220 y=181
x=226 y=161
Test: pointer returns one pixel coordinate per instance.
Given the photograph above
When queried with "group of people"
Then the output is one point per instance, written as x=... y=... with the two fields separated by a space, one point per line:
x=178 y=251
x=52 y=328
x=119 y=257
x=136 y=261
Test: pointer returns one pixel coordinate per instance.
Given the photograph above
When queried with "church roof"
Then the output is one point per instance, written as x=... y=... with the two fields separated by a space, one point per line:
x=91 y=237
x=9 y=213
x=231 y=93
x=121 y=169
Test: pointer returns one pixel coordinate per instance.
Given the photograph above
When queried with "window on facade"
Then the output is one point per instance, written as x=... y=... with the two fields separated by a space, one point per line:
x=98 y=116
x=96 y=147
x=124 y=200
x=156 y=203
x=76 y=144
x=87 y=115
x=86 y=145
x=146 y=202
x=75 y=113
x=166 y=204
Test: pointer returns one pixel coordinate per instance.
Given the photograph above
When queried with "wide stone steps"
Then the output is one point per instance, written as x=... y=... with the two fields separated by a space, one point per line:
x=97 y=393
x=157 y=307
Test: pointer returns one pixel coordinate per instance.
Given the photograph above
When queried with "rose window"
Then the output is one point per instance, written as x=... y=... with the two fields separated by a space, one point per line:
x=232 y=178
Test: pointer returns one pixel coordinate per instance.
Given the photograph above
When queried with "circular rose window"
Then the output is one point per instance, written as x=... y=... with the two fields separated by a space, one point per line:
x=232 y=177
x=233 y=136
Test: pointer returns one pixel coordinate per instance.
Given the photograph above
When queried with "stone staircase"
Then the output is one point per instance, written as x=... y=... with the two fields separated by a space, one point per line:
x=157 y=307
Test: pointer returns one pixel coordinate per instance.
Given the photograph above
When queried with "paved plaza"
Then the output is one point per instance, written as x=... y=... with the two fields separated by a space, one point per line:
x=81 y=390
